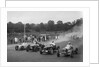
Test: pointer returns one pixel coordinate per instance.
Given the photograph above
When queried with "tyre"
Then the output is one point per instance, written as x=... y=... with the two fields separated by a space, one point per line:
x=72 y=55
x=76 y=51
x=58 y=54
x=32 y=48
x=27 y=49
x=35 y=49
x=22 y=47
x=51 y=51
x=58 y=47
x=16 y=48
x=41 y=52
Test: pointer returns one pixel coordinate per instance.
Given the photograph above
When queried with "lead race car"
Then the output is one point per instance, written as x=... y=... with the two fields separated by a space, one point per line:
x=21 y=46
x=49 y=49
x=68 y=52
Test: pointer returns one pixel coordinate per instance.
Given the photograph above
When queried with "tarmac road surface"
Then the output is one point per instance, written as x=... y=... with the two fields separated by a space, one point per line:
x=23 y=56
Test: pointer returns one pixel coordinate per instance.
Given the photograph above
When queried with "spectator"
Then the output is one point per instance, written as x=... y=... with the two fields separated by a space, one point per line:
x=16 y=40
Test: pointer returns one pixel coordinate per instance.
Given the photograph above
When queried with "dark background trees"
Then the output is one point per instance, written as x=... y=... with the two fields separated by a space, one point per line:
x=42 y=27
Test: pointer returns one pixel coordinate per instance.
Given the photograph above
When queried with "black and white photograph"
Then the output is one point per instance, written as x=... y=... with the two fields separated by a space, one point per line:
x=45 y=36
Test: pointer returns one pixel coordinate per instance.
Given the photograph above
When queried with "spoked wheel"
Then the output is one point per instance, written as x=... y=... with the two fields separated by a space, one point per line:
x=41 y=51
x=76 y=51
x=58 y=47
x=58 y=54
x=22 y=47
x=72 y=55
x=16 y=48
x=51 y=51
x=35 y=48
x=27 y=49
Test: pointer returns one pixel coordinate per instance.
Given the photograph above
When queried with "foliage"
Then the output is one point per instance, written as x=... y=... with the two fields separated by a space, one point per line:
x=49 y=26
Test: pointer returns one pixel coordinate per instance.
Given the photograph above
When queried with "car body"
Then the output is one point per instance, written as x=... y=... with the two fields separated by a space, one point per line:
x=49 y=49
x=68 y=52
x=34 y=47
x=21 y=46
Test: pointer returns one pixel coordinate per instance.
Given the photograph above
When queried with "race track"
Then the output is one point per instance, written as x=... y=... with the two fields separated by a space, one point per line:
x=23 y=56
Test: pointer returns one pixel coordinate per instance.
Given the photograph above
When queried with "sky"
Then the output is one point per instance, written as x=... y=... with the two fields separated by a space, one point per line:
x=37 y=17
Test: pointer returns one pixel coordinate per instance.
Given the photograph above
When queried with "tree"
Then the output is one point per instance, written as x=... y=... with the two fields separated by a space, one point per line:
x=50 y=25
x=59 y=25
x=42 y=26
x=79 y=21
x=10 y=27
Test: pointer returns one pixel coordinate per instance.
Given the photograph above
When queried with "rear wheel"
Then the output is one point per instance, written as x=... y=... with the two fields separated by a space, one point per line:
x=58 y=54
x=76 y=51
x=51 y=51
x=58 y=47
x=16 y=48
x=71 y=55
x=27 y=49
x=22 y=47
x=35 y=48
x=41 y=52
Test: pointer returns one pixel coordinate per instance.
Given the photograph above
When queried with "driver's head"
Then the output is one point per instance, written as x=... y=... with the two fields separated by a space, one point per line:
x=52 y=41
x=69 y=43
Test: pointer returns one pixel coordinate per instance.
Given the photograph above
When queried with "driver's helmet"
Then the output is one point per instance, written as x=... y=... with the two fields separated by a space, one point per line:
x=52 y=41
x=69 y=43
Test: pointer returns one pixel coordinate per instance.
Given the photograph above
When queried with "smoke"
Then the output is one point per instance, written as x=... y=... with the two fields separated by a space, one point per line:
x=78 y=30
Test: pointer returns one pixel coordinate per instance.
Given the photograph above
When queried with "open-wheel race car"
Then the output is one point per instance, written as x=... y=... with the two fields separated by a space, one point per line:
x=48 y=49
x=21 y=46
x=67 y=52
x=34 y=47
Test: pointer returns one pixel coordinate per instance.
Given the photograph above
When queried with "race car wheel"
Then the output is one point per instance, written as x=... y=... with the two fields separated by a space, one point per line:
x=22 y=47
x=76 y=51
x=41 y=52
x=58 y=54
x=51 y=51
x=71 y=55
x=27 y=49
x=58 y=47
x=16 y=47
x=35 y=48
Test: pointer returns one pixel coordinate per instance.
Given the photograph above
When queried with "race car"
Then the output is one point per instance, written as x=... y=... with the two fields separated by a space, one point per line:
x=21 y=46
x=34 y=47
x=67 y=52
x=48 y=49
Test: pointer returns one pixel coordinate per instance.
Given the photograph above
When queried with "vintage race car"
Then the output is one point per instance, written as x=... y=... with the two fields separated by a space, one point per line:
x=34 y=47
x=49 y=49
x=21 y=46
x=68 y=52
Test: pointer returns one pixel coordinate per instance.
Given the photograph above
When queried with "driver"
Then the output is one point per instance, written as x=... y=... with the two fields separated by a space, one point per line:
x=52 y=44
x=68 y=46
x=35 y=43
